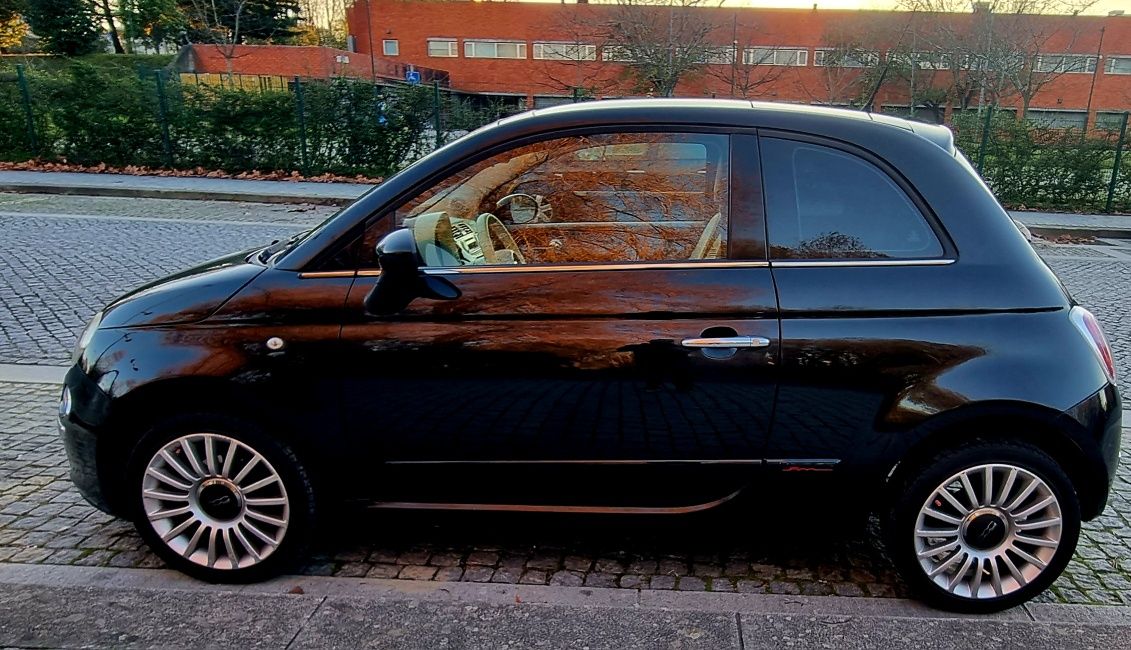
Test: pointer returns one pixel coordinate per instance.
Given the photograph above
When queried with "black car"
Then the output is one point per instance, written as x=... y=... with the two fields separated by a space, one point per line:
x=648 y=306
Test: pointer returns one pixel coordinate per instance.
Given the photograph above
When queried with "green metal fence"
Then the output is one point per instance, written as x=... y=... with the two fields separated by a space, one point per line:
x=89 y=115
x=92 y=115
x=1039 y=166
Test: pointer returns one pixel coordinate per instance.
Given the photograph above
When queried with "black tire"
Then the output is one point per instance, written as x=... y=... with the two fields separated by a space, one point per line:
x=911 y=494
x=296 y=489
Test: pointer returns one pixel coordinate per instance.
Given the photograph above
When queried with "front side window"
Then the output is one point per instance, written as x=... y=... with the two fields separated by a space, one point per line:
x=607 y=198
x=824 y=203
x=391 y=47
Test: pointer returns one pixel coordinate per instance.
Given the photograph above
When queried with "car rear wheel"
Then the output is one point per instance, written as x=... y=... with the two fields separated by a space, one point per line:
x=984 y=527
x=219 y=500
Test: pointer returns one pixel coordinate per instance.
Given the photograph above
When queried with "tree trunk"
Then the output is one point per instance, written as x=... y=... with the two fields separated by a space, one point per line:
x=108 y=16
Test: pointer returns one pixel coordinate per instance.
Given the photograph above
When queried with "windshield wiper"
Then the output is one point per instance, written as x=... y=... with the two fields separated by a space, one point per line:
x=278 y=246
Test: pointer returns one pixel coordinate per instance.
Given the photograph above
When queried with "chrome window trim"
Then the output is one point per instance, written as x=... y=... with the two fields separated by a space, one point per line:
x=642 y=266
x=826 y=263
x=645 y=266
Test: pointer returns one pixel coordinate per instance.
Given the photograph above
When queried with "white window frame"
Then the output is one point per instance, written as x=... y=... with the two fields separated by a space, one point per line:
x=452 y=47
x=1035 y=114
x=385 y=43
x=472 y=49
x=1059 y=63
x=925 y=60
x=616 y=54
x=796 y=57
x=564 y=51
x=820 y=53
x=719 y=55
x=1109 y=64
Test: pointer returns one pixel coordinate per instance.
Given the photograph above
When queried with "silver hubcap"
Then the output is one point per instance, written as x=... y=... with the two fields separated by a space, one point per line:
x=216 y=501
x=988 y=531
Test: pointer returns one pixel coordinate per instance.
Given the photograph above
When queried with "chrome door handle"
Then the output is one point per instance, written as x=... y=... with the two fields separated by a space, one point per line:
x=728 y=342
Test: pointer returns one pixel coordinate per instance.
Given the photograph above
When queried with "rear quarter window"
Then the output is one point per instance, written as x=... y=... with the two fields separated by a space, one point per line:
x=824 y=203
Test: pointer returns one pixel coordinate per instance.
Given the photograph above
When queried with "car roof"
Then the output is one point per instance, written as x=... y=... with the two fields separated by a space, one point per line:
x=743 y=112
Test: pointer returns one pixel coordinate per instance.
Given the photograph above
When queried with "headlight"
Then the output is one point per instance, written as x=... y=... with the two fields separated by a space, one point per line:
x=86 y=336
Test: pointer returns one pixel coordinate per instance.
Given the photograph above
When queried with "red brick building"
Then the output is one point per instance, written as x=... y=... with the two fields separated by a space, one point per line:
x=539 y=52
x=288 y=61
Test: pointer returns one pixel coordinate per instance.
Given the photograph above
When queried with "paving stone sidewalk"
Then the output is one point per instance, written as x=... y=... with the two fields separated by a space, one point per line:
x=43 y=520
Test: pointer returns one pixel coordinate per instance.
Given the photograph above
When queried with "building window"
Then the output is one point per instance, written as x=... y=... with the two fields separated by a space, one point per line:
x=792 y=56
x=494 y=50
x=719 y=55
x=616 y=53
x=1118 y=65
x=565 y=51
x=1109 y=121
x=1058 y=63
x=923 y=60
x=391 y=47
x=837 y=58
x=442 y=47
x=1056 y=119
x=546 y=101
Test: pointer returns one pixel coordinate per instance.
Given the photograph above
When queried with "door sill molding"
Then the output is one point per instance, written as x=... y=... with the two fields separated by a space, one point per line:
x=505 y=507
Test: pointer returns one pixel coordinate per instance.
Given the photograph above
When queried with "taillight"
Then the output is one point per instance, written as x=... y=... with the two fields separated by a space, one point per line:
x=1090 y=328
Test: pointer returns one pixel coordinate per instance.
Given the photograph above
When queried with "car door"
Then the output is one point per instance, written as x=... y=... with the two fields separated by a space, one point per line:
x=861 y=268
x=614 y=339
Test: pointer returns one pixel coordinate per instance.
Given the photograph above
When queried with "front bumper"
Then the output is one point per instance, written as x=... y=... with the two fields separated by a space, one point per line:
x=82 y=404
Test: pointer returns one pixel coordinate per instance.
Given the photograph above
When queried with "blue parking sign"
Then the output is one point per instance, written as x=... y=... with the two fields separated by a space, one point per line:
x=412 y=76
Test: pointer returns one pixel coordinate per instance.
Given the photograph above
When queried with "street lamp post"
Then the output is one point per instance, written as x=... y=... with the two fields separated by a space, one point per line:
x=372 y=54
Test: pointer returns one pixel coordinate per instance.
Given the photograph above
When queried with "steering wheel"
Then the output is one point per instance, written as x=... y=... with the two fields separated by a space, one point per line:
x=499 y=246
x=710 y=244
x=539 y=212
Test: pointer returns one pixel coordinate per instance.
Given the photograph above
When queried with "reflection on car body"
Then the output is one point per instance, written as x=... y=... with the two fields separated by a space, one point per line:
x=651 y=306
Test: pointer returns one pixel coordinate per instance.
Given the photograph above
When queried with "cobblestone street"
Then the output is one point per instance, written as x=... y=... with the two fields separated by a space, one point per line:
x=51 y=244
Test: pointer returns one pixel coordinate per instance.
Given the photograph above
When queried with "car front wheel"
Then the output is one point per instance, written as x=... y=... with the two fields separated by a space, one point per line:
x=220 y=500
x=984 y=527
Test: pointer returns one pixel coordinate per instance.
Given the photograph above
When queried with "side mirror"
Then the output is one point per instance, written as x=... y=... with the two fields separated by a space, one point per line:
x=401 y=280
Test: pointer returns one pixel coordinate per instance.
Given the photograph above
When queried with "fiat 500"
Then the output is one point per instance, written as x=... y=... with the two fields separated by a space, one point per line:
x=622 y=307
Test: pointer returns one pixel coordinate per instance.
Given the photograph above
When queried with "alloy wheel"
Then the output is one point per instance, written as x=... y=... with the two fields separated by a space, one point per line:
x=215 y=501
x=988 y=531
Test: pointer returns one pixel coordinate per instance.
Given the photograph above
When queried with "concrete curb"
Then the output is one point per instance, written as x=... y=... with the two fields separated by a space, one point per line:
x=39 y=575
x=185 y=195
x=1083 y=231
x=29 y=374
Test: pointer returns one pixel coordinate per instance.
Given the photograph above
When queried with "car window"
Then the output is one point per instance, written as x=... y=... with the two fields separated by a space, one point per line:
x=607 y=198
x=825 y=203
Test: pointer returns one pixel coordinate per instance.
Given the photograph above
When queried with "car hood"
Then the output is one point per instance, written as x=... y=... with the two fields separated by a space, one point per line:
x=185 y=297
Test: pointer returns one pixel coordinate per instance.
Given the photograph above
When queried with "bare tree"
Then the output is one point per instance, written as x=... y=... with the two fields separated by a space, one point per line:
x=569 y=61
x=753 y=65
x=851 y=67
x=662 y=42
x=992 y=54
x=1029 y=70
x=219 y=25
